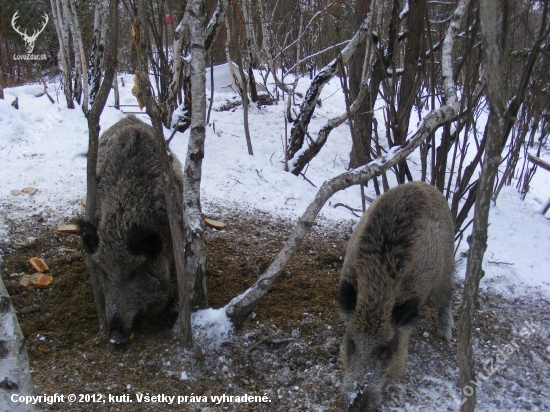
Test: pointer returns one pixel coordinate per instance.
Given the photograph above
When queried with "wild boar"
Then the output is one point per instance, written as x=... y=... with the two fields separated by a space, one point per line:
x=401 y=251
x=128 y=241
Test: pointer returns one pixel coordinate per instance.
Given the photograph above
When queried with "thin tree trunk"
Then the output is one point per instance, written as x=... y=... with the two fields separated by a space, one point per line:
x=410 y=80
x=80 y=56
x=315 y=146
x=195 y=245
x=362 y=124
x=15 y=373
x=478 y=239
x=211 y=103
x=116 y=93
x=168 y=181
x=93 y=115
x=95 y=62
x=239 y=77
x=62 y=29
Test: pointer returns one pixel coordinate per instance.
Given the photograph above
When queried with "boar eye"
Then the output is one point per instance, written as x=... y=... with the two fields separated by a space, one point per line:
x=383 y=352
x=350 y=346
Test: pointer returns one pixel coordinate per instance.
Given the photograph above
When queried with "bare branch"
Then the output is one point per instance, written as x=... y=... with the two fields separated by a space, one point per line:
x=321 y=79
x=303 y=32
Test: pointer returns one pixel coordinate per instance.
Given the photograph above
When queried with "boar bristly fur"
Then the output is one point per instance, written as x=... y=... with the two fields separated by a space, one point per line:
x=128 y=240
x=400 y=253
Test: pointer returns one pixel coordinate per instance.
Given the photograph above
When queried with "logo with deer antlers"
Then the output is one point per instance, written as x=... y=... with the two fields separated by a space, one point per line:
x=29 y=40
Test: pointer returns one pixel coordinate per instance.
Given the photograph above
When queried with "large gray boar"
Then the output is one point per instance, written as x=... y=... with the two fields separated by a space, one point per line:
x=128 y=240
x=401 y=251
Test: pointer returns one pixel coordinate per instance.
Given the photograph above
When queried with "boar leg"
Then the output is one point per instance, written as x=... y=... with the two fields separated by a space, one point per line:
x=399 y=359
x=99 y=294
x=442 y=297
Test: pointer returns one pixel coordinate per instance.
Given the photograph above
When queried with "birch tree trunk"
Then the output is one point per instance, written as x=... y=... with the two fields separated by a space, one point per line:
x=177 y=72
x=315 y=146
x=95 y=62
x=62 y=29
x=241 y=306
x=488 y=13
x=15 y=373
x=195 y=245
x=80 y=54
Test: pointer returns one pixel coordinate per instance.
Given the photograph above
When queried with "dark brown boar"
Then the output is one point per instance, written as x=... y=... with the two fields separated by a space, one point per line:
x=128 y=240
x=400 y=253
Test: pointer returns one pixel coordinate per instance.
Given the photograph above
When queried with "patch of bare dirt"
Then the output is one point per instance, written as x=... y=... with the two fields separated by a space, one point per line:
x=287 y=351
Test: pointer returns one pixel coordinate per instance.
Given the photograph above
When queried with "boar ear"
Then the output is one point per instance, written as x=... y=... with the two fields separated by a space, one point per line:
x=145 y=243
x=347 y=297
x=88 y=232
x=404 y=315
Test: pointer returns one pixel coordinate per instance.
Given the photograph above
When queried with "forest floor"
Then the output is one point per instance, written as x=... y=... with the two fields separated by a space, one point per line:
x=286 y=352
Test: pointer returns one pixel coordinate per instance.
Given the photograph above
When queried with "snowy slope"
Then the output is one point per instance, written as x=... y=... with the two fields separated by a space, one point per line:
x=42 y=146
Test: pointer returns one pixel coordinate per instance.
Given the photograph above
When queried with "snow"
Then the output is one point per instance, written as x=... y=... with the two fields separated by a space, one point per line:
x=43 y=145
x=211 y=327
x=517 y=257
x=404 y=11
x=223 y=81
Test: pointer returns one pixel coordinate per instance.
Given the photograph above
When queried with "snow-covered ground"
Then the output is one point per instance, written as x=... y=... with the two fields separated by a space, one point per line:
x=43 y=145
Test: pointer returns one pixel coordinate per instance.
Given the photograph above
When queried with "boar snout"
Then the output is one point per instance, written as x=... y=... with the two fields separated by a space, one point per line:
x=366 y=400
x=119 y=332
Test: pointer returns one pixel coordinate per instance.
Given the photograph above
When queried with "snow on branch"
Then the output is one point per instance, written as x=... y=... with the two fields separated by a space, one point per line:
x=241 y=306
x=215 y=22
x=311 y=56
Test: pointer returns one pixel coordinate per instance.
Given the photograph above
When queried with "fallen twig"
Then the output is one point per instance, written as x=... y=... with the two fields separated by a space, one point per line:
x=265 y=339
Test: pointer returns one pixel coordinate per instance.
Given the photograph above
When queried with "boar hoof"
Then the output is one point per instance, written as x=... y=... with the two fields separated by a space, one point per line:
x=118 y=338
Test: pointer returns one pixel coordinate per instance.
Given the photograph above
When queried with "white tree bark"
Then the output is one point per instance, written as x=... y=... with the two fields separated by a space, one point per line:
x=104 y=11
x=210 y=34
x=239 y=77
x=95 y=62
x=69 y=9
x=62 y=29
x=322 y=136
x=195 y=245
x=241 y=306
x=177 y=62
x=15 y=374
x=215 y=22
